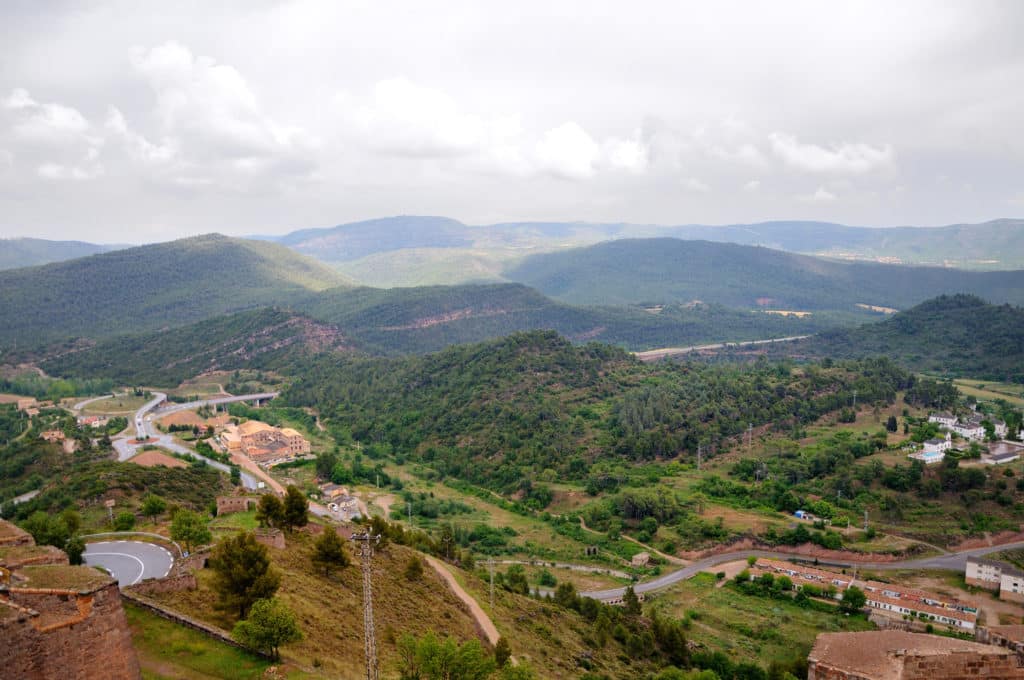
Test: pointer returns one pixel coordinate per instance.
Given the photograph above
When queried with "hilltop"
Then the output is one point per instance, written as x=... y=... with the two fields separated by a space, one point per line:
x=28 y=252
x=152 y=287
x=263 y=338
x=634 y=271
x=957 y=335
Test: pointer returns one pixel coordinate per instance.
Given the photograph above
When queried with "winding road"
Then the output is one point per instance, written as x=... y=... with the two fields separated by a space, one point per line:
x=144 y=431
x=129 y=561
x=655 y=354
x=951 y=561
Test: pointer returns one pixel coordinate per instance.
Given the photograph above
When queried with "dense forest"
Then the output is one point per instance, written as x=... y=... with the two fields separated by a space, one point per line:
x=151 y=287
x=669 y=270
x=533 y=406
x=957 y=335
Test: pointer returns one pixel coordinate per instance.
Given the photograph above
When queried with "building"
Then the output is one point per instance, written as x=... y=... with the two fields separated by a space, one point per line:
x=934 y=450
x=943 y=418
x=1002 y=452
x=885 y=598
x=970 y=429
x=227 y=505
x=264 y=443
x=641 y=559
x=59 y=621
x=52 y=436
x=26 y=404
x=93 y=421
x=1007 y=580
x=898 y=655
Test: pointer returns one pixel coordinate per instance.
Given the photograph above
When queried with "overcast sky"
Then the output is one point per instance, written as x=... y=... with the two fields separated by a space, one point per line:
x=138 y=121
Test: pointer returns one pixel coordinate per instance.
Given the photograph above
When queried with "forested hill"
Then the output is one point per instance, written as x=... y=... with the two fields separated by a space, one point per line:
x=533 y=406
x=151 y=287
x=958 y=335
x=426 y=319
x=358 y=239
x=669 y=270
x=28 y=252
x=264 y=339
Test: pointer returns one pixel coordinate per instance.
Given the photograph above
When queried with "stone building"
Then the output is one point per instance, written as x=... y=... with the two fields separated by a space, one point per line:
x=898 y=655
x=59 y=621
x=227 y=505
x=264 y=443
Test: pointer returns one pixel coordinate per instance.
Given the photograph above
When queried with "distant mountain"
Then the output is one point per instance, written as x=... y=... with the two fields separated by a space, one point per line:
x=642 y=271
x=359 y=239
x=417 y=320
x=28 y=252
x=152 y=287
x=958 y=335
x=263 y=338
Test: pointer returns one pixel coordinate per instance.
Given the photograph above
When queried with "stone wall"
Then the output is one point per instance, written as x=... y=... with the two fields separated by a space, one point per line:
x=82 y=635
x=963 y=666
x=229 y=504
x=273 y=538
x=170 y=584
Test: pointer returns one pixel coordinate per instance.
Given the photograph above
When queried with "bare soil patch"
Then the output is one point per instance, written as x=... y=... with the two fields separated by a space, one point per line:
x=154 y=458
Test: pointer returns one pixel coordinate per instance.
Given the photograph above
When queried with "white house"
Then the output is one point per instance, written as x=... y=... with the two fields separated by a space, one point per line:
x=934 y=450
x=970 y=429
x=943 y=418
x=1000 y=428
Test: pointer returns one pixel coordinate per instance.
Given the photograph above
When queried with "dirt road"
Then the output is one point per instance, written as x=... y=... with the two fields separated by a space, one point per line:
x=483 y=622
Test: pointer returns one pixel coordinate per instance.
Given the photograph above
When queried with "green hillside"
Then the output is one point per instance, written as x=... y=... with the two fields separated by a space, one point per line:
x=417 y=320
x=358 y=239
x=959 y=335
x=263 y=339
x=28 y=252
x=669 y=270
x=151 y=287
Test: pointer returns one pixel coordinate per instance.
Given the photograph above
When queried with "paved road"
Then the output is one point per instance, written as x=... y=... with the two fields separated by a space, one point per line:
x=655 y=354
x=130 y=561
x=144 y=428
x=82 y=404
x=951 y=561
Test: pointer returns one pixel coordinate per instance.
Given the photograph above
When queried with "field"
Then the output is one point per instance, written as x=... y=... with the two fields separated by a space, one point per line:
x=987 y=390
x=120 y=405
x=747 y=628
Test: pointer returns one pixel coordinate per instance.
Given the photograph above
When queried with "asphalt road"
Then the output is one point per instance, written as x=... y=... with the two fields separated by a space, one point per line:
x=129 y=561
x=950 y=561
x=655 y=354
x=143 y=428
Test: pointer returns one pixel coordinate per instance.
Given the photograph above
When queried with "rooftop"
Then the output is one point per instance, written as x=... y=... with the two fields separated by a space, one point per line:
x=252 y=427
x=876 y=654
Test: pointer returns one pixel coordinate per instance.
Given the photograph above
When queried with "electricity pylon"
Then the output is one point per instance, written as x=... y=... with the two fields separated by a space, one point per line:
x=366 y=542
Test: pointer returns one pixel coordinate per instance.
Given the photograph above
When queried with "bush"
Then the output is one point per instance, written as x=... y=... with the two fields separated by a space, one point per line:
x=124 y=521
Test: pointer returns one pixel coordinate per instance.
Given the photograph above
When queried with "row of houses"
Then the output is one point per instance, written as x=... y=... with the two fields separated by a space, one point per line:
x=884 y=598
x=970 y=427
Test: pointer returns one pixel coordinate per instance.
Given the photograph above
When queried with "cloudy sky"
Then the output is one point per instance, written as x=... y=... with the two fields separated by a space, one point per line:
x=135 y=121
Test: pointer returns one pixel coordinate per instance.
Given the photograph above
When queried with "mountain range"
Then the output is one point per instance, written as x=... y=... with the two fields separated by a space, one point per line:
x=27 y=252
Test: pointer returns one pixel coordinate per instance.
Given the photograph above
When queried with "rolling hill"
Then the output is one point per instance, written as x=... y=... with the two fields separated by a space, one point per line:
x=955 y=336
x=29 y=252
x=413 y=250
x=143 y=289
x=653 y=271
x=263 y=338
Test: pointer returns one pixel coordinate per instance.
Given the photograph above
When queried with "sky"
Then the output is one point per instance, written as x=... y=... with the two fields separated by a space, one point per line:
x=130 y=122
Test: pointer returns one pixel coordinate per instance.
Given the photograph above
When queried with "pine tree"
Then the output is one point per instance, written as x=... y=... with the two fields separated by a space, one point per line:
x=242 y=573
x=329 y=551
x=270 y=625
x=270 y=511
x=296 y=507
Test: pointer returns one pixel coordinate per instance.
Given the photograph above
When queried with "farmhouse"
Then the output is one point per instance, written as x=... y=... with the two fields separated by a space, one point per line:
x=970 y=428
x=943 y=418
x=264 y=443
x=998 y=576
x=934 y=450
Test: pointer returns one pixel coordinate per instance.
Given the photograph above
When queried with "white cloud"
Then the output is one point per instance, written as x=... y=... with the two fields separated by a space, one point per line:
x=138 y=146
x=568 y=151
x=752 y=185
x=822 y=195
x=631 y=155
x=696 y=186
x=854 y=158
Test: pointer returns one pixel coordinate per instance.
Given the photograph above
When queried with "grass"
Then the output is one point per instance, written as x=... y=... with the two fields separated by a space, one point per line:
x=235 y=521
x=990 y=391
x=747 y=628
x=119 y=405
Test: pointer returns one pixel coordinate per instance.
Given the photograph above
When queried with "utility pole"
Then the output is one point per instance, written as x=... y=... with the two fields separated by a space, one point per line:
x=750 y=435
x=865 y=520
x=699 y=452
x=490 y=568
x=855 y=400
x=366 y=542
x=409 y=505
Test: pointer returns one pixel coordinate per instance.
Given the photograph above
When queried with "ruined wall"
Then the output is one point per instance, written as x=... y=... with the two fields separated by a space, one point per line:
x=963 y=666
x=229 y=504
x=273 y=538
x=75 y=636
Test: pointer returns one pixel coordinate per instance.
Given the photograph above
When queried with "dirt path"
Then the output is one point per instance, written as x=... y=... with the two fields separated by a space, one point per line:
x=483 y=621
x=247 y=464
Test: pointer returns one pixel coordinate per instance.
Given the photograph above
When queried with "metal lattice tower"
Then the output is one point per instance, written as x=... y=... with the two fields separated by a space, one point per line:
x=366 y=542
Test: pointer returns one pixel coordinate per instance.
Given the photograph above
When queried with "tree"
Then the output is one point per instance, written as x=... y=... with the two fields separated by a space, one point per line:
x=153 y=506
x=296 y=507
x=427 y=658
x=47 y=529
x=853 y=600
x=190 y=528
x=270 y=511
x=124 y=521
x=74 y=548
x=502 y=652
x=242 y=573
x=891 y=425
x=414 y=569
x=329 y=551
x=631 y=602
x=270 y=624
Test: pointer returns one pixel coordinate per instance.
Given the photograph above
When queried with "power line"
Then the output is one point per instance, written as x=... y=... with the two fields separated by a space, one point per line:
x=366 y=542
